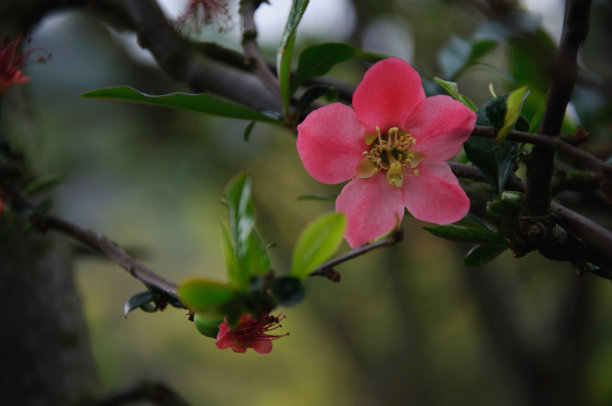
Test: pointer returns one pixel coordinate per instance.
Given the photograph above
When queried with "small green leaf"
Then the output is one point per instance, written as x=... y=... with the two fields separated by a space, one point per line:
x=206 y=296
x=285 y=50
x=317 y=242
x=42 y=184
x=317 y=60
x=482 y=254
x=466 y=234
x=496 y=161
x=201 y=103
x=514 y=104
x=508 y=206
x=256 y=257
x=248 y=255
x=473 y=221
x=236 y=277
x=288 y=290
x=43 y=207
x=248 y=130
x=145 y=300
x=535 y=122
x=453 y=90
x=207 y=326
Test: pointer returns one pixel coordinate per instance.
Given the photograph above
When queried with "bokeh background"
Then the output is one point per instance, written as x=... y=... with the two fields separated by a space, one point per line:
x=407 y=324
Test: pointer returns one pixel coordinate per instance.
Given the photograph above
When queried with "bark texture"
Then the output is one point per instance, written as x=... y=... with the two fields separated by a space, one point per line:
x=44 y=343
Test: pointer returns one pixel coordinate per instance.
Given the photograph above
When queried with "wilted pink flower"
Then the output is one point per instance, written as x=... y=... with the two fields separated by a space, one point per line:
x=204 y=12
x=12 y=61
x=393 y=146
x=249 y=333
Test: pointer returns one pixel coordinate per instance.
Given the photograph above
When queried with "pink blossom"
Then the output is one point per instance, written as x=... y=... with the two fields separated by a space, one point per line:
x=392 y=145
x=249 y=333
x=12 y=61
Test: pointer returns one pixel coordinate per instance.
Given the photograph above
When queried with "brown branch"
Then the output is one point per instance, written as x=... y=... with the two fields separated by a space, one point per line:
x=579 y=226
x=181 y=60
x=326 y=269
x=251 y=51
x=95 y=241
x=541 y=165
x=578 y=155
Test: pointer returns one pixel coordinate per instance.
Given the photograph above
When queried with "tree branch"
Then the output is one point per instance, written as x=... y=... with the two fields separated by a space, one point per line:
x=249 y=46
x=578 y=225
x=327 y=268
x=579 y=156
x=93 y=240
x=540 y=166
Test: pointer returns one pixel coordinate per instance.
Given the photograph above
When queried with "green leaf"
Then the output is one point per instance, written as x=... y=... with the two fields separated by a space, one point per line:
x=482 y=254
x=247 y=131
x=43 y=207
x=249 y=256
x=200 y=103
x=235 y=274
x=207 y=326
x=285 y=50
x=451 y=87
x=42 y=184
x=473 y=221
x=453 y=90
x=317 y=60
x=240 y=209
x=514 y=104
x=508 y=206
x=206 y=296
x=317 y=242
x=288 y=290
x=466 y=234
x=496 y=161
x=145 y=300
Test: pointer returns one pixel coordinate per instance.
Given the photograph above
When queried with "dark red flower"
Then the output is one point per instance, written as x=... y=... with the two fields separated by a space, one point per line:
x=1 y=204
x=12 y=61
x=249 y=332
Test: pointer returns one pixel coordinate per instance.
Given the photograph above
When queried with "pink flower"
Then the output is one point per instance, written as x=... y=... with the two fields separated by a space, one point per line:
x=393 y=146
x=249 y=333
x=12 y=61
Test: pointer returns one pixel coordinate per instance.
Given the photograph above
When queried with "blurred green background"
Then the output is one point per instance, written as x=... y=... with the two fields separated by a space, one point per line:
x=405 y=325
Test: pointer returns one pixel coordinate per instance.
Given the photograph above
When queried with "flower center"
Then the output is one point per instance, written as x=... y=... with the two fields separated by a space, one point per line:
x=391 y=153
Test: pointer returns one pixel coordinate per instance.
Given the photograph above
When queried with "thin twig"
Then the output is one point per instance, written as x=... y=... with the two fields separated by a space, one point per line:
x=584 y=158
x=541 y=165
x=97 y=242
x=251 y=51
x=393 y=238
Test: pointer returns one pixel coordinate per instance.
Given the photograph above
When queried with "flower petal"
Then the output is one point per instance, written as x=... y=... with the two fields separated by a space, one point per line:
x=262 y=346
x=389 y=91
x=440 y=126
x=435 y=195
x=224 y=337
x=372 y=207
x=330 y=143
